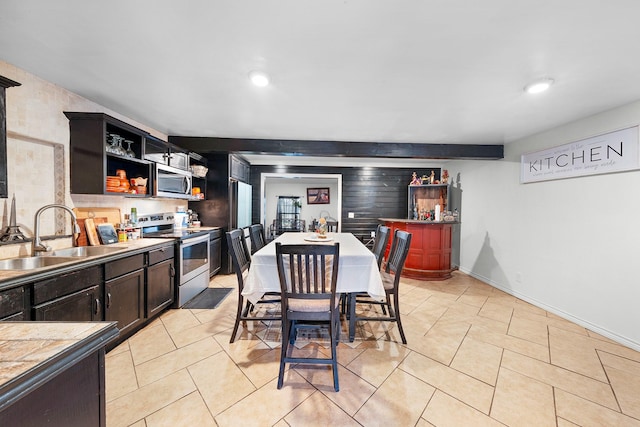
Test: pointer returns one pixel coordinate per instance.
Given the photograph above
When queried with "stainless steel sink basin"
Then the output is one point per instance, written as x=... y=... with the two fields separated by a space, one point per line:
x=85 y=251
x=30 y=263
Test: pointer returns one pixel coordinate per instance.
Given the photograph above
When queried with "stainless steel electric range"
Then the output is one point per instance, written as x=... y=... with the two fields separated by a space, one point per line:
x=193 y=253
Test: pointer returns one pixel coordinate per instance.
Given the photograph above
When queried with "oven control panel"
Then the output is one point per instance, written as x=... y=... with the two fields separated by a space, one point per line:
x=155 y=219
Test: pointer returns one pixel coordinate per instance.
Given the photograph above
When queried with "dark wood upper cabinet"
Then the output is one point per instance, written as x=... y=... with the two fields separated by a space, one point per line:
x=159 y=151
x=102 y=146
x=239 y=169
x=4 y=84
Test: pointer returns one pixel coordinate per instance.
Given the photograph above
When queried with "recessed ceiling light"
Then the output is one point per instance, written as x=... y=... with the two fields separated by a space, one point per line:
x=538 y=86
x=258 y=78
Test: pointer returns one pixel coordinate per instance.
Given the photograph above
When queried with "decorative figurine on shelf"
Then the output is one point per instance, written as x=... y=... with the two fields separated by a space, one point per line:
x=415 y=180
x=432 y=177
x=445 y=177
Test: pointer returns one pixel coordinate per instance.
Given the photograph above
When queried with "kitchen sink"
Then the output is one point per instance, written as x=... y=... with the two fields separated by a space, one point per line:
x=85 y=251
x=30 y=263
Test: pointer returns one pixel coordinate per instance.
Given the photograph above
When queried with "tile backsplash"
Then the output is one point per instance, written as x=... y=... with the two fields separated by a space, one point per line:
x=38 y=160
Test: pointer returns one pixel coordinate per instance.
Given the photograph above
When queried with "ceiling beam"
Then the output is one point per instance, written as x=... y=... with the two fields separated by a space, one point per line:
x=396 y=150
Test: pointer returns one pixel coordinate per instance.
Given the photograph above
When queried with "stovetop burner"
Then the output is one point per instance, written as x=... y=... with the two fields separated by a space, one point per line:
x=162 y=226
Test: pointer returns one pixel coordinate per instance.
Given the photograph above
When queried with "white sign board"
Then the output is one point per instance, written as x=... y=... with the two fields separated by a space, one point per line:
x=612 y=152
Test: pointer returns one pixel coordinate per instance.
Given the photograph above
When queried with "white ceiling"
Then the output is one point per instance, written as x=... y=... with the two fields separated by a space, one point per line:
x=423 y=71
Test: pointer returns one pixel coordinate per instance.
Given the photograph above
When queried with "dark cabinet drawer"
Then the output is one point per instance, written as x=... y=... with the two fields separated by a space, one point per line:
x=66 y=284
x=215 y=234
x=123 y=266
x=18 y=317
x=162 y=254
x=12 y=303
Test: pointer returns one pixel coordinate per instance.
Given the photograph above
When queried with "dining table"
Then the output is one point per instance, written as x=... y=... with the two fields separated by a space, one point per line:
x=357 y=268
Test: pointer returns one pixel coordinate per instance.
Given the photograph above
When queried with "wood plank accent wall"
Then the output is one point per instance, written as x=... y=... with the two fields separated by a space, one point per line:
x=370 y=193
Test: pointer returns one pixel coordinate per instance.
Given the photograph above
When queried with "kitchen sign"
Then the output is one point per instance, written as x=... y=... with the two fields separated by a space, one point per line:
x=612 y=152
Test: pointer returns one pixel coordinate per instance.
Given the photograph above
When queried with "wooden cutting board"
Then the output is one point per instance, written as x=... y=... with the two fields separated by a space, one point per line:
x=92 y=232
x=83 y=237
x=112 y=214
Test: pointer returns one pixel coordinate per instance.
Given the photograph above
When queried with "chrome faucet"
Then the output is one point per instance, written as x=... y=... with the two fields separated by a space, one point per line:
x=38 y=246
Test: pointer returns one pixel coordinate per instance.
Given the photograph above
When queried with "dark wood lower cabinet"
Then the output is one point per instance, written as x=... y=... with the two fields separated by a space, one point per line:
x=129 y=291
x=69 y=399
x=215 y=252
x=124 y=301
x=160 y=287
x=72 y=296
x=67 y=390
x=83 y=305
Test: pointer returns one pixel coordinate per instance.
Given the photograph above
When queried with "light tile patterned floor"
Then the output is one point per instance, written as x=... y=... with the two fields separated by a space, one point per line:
x=475 y=356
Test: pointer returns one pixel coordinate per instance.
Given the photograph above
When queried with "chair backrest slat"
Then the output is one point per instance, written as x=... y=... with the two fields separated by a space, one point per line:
x=311 y=270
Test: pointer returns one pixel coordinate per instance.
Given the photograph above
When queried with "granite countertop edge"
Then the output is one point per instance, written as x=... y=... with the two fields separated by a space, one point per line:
x=12 y=278
x=89 y=337
x=418 y=221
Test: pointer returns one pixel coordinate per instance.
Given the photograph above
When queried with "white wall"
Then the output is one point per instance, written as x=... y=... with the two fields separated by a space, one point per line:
x=297 y=187
x=569 y=246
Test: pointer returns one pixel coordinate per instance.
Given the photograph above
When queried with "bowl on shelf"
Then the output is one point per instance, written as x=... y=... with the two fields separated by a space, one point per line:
x=199 y=171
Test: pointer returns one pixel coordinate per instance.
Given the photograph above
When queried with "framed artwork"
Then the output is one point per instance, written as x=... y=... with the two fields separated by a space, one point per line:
x=318 y=196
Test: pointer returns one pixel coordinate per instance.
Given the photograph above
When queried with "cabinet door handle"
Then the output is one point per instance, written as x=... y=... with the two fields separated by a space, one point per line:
x=172 y=271
x=97 y=309
x=108 y=299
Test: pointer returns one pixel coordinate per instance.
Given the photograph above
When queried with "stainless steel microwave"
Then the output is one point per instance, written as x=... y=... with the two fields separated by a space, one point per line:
x=172 y=182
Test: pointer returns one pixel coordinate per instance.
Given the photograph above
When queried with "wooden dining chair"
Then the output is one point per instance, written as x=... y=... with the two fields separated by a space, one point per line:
x=241 y=262
x=308 y=275
x=332 y=226
x=379 y=247
x=380 y=243
x=391 y=281
x=256 y=235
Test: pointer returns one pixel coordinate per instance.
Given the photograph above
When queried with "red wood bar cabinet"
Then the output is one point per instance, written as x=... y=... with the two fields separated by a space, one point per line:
x=430 y=252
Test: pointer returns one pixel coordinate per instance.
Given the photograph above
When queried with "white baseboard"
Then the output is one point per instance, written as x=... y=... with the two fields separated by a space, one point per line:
x=584 y=323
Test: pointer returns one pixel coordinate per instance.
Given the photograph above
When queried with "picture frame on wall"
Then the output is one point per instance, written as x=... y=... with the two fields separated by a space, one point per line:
x=318 y=196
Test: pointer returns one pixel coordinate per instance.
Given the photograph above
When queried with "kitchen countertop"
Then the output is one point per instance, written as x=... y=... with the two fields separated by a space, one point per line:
x=418 y=221
x=30 y=352
x=12 y=278
x=183 y=233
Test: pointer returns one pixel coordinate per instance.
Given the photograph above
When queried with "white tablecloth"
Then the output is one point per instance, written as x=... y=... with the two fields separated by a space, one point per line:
x=357 y=269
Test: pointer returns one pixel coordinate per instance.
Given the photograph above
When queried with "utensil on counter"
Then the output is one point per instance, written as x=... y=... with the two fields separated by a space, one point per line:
x=92 y=233
x=83 y=239
x=112 y=214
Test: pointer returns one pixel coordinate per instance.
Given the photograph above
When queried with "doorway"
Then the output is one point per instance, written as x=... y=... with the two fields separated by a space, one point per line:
x=274 y=185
